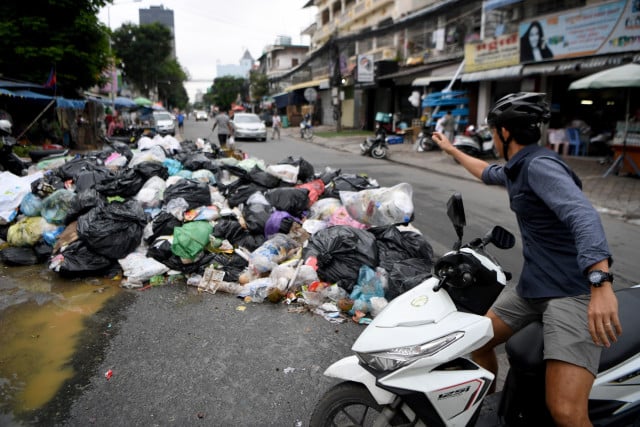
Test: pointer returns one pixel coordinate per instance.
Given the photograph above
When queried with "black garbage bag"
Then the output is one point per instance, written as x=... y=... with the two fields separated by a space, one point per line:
x=256 y=216
x=163 y=225
x=347 y=182
x=90 y=178
x=395 y=245
x=195 y=193
x=124 y=182
x=113 y=230
x=73 y=167
x=230 y=229
x=13 y=256
x=407 y=274
x=42 y=250
x=48 y=184
x=329 y=175
x=77 y=260
x=119 y=147
x=305 y=169
x=233 y=264
x=264 y=178
x=4 y=229
x=149 y=169
x=237 y=195
x=198 y=161
x=82 y=203
x=289 y=199
x=340 y=252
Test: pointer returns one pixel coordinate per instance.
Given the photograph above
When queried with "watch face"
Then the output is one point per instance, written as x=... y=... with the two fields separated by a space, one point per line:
x=596 y=277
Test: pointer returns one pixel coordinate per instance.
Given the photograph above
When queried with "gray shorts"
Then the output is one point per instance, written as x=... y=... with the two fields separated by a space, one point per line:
x=565 y=325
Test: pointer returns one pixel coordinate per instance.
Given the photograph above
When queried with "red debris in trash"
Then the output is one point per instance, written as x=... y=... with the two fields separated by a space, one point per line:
x=108 y=374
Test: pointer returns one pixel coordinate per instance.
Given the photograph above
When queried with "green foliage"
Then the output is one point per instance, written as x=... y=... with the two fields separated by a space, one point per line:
x=259 y=84
x=37 y=35
x=226 y=90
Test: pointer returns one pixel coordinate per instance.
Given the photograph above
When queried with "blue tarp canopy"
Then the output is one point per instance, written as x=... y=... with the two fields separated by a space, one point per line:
x=281 y=99
x=20 y=91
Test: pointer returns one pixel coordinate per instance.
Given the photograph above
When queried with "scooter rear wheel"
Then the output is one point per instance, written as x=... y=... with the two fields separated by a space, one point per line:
x=348 y=404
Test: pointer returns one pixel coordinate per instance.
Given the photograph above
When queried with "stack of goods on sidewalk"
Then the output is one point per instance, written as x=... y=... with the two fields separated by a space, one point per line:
x=335 y=243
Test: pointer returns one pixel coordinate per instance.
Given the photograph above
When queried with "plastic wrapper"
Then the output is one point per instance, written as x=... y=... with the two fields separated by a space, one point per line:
x=28 y=230
x=173 y=166
x=305 y=169
x=190 y=239
x=31 y=205
x=272 y=252
x=371 y=283
x=152 y=192
x=316 y=189
x=341 y=217
x=279 y=222
x=287 y=173
x=312 y=226
x=153 y=154
x=12 y=190
x=138 y=268
x=324 y=208
x=381 y=206
x=204 y=175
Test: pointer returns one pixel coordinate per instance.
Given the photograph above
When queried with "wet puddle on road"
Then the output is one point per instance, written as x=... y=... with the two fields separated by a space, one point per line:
x=41 y=319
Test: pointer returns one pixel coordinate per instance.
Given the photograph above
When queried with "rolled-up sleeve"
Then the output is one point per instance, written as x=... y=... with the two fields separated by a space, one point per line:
x=494 y=175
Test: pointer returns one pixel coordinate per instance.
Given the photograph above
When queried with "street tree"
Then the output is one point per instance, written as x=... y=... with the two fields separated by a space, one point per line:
x=226 y=90
x=170 y=85
x=143 y=52
x=74 y=43
x=259 y=85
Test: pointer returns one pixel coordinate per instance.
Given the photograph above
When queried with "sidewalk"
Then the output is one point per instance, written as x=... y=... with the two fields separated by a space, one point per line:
x=613 y=195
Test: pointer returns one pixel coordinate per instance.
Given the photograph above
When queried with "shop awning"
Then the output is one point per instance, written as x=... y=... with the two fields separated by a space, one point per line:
x=281 y=99
x=310 y=83
x=571 y=65
x=425 y=81
x=494 y=74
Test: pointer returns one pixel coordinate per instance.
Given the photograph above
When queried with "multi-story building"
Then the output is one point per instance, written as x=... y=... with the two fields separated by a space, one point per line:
x=376 y=53
x=241 y=69
x=162 y=16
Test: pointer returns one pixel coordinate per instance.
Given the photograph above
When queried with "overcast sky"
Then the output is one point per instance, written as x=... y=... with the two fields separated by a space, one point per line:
x=211 y=32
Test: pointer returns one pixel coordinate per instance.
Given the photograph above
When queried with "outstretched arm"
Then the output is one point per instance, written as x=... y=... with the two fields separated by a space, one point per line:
x=473 y=165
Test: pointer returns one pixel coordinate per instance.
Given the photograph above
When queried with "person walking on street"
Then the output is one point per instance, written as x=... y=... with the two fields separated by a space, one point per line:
x=446 y=124
x=276 y=125
x=225 y=127
x=180 y=118
x=565 y=281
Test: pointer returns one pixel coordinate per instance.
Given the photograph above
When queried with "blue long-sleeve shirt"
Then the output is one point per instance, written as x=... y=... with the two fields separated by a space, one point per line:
x=562 y=234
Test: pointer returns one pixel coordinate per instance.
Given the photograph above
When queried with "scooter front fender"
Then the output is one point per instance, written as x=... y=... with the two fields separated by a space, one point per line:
x=349 y=369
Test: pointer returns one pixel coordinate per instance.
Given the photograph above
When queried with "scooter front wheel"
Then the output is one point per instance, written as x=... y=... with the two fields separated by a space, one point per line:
x=349 y=404
x=379 y=152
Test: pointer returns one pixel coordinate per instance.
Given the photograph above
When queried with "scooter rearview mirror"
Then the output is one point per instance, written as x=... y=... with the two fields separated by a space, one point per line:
x=455 y=212
x=502 y=238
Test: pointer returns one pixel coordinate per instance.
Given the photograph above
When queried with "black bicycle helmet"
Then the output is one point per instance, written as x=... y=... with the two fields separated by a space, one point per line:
x=519 y=109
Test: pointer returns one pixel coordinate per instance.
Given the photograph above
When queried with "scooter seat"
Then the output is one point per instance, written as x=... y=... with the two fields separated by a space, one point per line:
x=525 y=348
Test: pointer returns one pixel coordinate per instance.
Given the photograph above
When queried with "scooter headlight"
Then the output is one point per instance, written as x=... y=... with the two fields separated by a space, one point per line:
x=395 y=358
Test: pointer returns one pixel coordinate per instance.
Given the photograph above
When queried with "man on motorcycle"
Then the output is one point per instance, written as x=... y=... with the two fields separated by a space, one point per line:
x=565 y=281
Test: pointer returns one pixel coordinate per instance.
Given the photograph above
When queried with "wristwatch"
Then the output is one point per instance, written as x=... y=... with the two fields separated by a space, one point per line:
x=598 y=277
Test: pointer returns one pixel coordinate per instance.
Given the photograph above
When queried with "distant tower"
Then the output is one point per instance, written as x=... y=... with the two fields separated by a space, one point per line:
x=162 y=16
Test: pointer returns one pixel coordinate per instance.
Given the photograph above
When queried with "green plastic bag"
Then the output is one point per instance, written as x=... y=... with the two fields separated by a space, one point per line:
x=190 y=239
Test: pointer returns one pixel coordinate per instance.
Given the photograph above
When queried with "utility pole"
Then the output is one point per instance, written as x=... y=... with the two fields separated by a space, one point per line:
x=336 y=82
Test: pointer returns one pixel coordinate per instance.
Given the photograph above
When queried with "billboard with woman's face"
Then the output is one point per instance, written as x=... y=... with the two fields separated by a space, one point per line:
x=604 y=28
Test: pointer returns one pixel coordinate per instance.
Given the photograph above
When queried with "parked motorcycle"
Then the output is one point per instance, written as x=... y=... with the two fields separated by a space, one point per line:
x=412 y=366
x=477 y=142
x=11 y=162
x=306 y=128
x=376 y=146
x=424 y=141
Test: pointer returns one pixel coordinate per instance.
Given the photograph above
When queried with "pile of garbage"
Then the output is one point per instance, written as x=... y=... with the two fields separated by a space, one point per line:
x=224 y=221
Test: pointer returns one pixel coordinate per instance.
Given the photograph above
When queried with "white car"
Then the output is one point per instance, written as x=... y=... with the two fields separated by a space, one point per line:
x=249 y=125
x=201 y=115
x=164 y=123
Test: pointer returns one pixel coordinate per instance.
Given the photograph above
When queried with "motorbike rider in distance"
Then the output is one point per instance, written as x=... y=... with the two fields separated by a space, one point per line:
x=565 y=281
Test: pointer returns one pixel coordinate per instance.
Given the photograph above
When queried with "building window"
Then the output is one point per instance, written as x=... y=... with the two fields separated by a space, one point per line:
x=294 y=62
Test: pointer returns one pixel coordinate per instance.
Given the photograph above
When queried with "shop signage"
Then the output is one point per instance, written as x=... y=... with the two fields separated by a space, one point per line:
x=365 y=69
x=592 y=30
x=491 y=53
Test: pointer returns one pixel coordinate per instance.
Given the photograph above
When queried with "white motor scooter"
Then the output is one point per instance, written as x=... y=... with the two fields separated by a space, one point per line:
x=476 y=142
x=412 y=366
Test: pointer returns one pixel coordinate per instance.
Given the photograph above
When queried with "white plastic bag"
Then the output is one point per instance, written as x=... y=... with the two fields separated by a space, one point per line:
x=380 y=206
